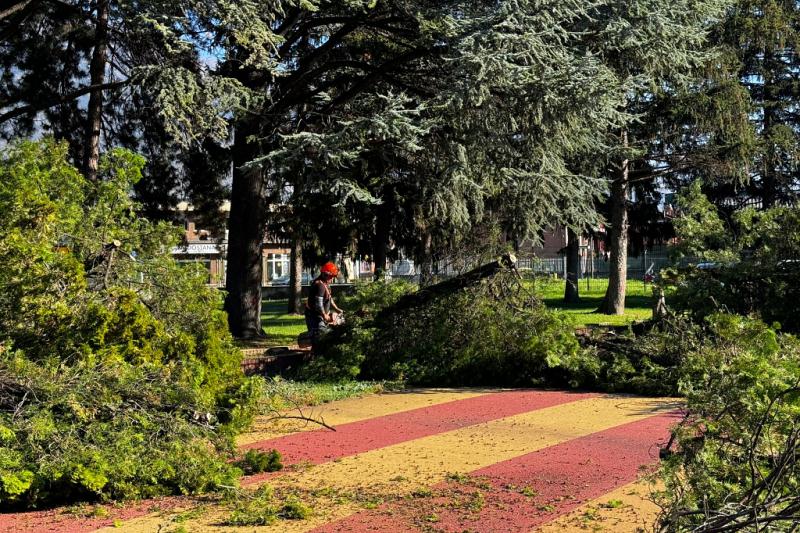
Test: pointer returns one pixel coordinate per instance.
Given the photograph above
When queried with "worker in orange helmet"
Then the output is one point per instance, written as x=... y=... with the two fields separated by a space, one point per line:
x=320 y=301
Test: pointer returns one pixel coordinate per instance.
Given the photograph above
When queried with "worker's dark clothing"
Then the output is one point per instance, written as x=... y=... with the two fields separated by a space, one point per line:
x=317 y=306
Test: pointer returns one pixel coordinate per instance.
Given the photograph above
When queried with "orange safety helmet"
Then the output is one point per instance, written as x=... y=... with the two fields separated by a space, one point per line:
x=330 y=269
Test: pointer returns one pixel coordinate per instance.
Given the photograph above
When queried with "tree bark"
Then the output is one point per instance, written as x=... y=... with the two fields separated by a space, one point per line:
x=426 y=265
x=13 y=8
x=660 y=306
x=380 y=243
x=448 y=286
x=769 y=178
x=246 y=229
x=296 y=277
x=58 y=100
x=614 y=301
x=571 y=293
x=94 y=110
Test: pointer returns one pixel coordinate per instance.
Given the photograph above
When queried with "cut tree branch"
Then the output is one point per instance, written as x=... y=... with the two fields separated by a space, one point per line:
x=449 y=286
x=19 y=6
x=34 y=108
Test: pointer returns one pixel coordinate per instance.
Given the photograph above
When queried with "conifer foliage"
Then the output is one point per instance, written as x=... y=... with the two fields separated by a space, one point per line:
x=499 y=97
x=651 y=47
x=763 y=37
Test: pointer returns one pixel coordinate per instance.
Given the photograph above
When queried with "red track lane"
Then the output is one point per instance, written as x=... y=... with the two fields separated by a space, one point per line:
x=56 y=520
x=563 y=477
x=323 y=445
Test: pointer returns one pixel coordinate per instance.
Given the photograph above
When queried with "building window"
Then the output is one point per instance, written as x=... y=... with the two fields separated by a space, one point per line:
x=206 y=262
x=277 y=266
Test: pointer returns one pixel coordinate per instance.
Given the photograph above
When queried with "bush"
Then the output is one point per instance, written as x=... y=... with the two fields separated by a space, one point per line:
x=754 y=261
x=256 y=462
x=118 y=378
x=736 y=461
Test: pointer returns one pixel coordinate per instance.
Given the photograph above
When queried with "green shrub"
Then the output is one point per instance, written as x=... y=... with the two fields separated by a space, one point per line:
x=755 y=258
x=118 y=376
x=735 y=465
x=256 y=462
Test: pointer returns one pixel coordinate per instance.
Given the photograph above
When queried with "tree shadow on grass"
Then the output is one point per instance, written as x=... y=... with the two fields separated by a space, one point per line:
x=281 y=328
x=590 y=304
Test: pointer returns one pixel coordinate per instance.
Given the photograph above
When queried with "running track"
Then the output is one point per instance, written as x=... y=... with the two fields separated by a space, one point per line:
x=439 y=460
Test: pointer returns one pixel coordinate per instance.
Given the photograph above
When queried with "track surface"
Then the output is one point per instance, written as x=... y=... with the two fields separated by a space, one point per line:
x=437 y=460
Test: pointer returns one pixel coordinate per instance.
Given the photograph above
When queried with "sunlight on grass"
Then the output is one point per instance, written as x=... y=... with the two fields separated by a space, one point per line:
x=286 y=394
x=638 y=301
x=282 y=328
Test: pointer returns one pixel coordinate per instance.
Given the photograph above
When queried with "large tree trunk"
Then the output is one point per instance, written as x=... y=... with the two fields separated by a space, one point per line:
x=380 y=243
x=426 y=265
x=614 y=301
x=448 y=286
x=769 y=184
x=246 y=228
x=94 y=111
x=571 y=293
x=296 y=277
x=769 y=179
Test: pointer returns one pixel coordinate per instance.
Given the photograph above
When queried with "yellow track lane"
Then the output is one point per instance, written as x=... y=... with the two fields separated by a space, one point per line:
x=626 y=509
x=355 y=410
x=398 y=470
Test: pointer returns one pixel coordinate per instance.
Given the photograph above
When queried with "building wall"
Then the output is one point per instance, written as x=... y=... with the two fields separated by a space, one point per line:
x=202 y=246
x=553 y=243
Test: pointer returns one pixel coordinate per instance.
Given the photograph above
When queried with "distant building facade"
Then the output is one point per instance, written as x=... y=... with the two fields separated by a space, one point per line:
x=547 y=256
x=209 y=249
x=200 y=246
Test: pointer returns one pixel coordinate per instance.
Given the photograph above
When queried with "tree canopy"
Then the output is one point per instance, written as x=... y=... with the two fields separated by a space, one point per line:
x=415 y=126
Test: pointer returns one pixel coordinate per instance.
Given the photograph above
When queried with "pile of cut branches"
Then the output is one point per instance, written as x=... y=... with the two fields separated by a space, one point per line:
x=118 y=378
x=483 y=327
x=735 y=462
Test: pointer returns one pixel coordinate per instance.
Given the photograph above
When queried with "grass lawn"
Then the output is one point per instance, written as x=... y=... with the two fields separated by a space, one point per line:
x=638 y=302
x=285 y=394
x=282 y=329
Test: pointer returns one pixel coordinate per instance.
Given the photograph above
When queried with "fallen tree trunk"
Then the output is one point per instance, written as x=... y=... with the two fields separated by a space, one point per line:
x=448 y=286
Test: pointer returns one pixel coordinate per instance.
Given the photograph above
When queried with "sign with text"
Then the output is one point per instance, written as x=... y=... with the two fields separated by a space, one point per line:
x=198 y=248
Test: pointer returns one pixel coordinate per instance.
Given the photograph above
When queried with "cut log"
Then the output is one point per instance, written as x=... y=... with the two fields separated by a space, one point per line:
x=449 y=286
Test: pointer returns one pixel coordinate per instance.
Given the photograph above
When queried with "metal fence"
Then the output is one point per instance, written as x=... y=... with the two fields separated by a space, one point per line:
x=597 y=266
x=594 y=267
